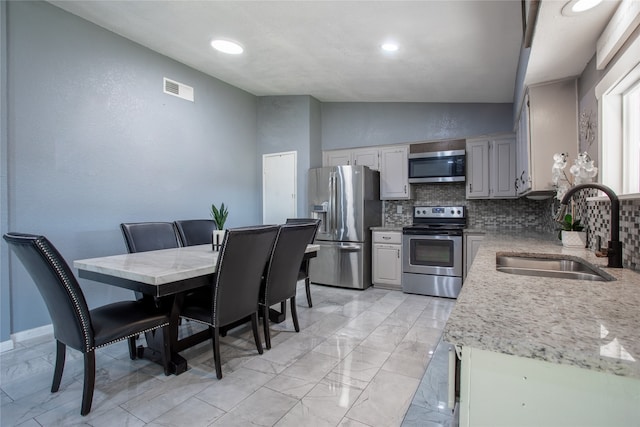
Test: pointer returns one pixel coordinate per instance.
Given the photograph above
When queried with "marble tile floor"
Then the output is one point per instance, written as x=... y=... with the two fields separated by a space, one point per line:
x=358 y=360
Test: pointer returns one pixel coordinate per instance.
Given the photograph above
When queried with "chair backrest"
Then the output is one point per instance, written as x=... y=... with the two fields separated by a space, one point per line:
x=306 y=221
x=59 y=289
x=282 y=273
x=149 y=236
x=242 y=261
x=195 y=231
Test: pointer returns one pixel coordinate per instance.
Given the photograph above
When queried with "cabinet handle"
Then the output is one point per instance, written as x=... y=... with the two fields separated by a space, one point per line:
x=521 y=177
x=386 y=237
x=405 y=189
x=515 y=184
x=470 y=187
x=398 y=251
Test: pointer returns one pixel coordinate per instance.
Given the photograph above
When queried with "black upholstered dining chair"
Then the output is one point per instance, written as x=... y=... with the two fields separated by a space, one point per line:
x=76 y=326
x=149 y=236
x=233 y=296
x=303 y=273
x=280 y=280
x=195 y=231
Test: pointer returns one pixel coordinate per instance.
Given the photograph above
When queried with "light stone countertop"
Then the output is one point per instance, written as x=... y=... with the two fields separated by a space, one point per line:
x=588 y=324
x=161 y=266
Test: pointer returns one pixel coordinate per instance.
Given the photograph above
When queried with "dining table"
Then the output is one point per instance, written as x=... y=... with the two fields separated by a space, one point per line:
x=164 y=276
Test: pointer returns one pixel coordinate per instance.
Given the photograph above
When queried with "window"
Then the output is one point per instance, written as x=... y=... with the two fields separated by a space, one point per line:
x=621 y=135
x=619 y=97
x=631 y=139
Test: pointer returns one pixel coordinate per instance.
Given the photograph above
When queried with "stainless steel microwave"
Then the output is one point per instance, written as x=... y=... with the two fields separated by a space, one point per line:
x=439 y=166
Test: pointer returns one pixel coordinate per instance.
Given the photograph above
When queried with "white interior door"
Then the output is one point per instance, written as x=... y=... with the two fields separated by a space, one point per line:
x=279 y=193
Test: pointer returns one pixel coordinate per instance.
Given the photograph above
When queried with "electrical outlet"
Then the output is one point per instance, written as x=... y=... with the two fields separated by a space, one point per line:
x=399 y=209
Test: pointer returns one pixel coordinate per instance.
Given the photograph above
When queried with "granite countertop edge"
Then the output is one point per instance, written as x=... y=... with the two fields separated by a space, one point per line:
x=590 y=325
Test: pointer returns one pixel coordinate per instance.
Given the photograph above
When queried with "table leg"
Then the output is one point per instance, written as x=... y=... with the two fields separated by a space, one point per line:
x=153 y=350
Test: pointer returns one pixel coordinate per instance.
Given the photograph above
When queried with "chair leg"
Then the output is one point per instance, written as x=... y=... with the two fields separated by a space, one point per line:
x=307 y=283
x=89 y=381
x=265 y=326
x=215 y=337
x=294 y=314
x=61 y=350
x=132 y=348
x=256 y=332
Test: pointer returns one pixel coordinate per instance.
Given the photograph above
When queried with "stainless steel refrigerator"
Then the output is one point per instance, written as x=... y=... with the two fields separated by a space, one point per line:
x=346 y=199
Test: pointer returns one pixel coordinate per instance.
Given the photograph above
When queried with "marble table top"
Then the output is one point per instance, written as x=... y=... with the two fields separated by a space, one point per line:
x=159 y=267
x=587 y=324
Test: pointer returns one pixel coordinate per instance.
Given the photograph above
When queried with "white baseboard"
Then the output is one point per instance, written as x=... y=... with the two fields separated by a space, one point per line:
x=32 y=333
x=6 y=346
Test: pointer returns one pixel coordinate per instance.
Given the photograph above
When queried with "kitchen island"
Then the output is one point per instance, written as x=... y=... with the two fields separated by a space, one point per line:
x=546 y=351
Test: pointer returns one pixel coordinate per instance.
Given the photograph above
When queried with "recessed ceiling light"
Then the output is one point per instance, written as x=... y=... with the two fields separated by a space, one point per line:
x=389 y=47
x=227 y=46
x=575 y=7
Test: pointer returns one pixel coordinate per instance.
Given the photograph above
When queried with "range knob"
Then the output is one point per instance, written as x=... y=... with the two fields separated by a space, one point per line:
x=453 y=212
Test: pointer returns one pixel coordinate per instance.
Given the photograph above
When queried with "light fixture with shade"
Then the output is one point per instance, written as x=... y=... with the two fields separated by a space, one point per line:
x=575 y=7
x=227 y=46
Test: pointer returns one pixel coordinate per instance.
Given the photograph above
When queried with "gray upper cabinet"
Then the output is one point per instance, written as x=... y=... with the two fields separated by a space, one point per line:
x=548 y=124
x=394 y=174
x=491 y=167
x=354 y=157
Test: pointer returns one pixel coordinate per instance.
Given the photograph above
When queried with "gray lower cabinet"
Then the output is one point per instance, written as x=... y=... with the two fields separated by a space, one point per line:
x=387 y=259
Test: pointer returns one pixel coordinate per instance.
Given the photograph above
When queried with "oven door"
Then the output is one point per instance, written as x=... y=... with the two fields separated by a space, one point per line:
x=438 y=255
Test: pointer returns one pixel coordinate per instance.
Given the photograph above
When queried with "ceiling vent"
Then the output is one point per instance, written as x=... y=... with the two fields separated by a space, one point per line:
x=180 y=90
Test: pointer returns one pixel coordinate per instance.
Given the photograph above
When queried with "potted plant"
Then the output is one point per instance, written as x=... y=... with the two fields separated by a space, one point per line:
x=219 y=215
x=572 y=234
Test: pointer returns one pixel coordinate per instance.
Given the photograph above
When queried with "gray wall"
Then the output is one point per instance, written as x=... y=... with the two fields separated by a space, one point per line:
x=5 y=293
x=347 y=125
x=89 y=140
x=93 y=141
x=291 y=123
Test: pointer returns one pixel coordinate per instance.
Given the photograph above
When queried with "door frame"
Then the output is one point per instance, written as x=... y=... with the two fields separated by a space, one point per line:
x=295 y=181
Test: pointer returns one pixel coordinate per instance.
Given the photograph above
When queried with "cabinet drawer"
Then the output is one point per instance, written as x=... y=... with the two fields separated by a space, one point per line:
x=392 y=237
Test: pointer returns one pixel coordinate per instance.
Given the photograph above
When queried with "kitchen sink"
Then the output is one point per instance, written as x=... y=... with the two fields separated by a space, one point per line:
x=542 y=265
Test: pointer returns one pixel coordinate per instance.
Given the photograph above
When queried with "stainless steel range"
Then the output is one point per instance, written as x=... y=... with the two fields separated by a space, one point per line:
x=432 y=248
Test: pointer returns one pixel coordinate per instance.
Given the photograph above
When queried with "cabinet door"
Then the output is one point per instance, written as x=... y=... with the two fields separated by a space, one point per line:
x=503 y=168
x=394 y=175
x=337 y=158
x=471 y=245
x=523 y=178
x=387 y=265
x=477 y=169
x=553 y=128
x=366 y=157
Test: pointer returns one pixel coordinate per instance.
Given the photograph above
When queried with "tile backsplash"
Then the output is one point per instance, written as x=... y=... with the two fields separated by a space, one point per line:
x=495 y=214
x=523 y=213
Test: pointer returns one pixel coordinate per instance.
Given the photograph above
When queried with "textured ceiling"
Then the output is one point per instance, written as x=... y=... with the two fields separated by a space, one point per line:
x=450 y=51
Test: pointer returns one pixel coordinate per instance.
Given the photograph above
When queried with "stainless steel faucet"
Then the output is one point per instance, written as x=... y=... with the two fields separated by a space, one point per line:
x=614 y=250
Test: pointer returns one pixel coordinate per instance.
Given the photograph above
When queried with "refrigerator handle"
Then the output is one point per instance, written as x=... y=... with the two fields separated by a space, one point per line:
x=334 y=205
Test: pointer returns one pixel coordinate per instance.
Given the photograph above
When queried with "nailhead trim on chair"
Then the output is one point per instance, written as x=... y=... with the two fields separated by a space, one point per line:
x=132 y=335
x=84 y=321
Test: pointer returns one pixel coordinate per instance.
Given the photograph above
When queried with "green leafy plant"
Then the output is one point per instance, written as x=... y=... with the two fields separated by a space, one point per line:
x=568 y=224
x=219 y=215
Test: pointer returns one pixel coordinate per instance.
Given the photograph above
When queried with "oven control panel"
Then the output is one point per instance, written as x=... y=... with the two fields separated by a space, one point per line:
x=438 y=212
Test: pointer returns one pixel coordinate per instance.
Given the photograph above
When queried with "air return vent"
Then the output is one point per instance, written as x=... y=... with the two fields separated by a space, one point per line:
x=180 y=90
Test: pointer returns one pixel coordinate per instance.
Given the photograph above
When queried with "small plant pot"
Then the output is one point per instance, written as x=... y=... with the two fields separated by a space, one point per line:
x=574 y=239
x=217 y=239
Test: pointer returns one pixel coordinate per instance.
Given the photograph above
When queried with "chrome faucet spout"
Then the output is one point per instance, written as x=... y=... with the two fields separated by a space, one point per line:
x=615 y=245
